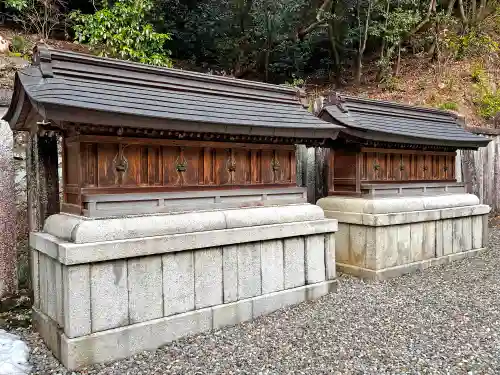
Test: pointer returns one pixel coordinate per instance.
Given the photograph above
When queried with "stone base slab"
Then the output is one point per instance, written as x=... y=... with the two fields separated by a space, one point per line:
x=123 y=342
x=397 y=271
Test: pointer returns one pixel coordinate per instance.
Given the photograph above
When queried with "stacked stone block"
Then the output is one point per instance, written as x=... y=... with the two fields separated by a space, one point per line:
x=104 y=300
x=388 y=237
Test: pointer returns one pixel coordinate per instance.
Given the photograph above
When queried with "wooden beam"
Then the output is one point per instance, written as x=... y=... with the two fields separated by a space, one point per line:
x=42 y=179
x=359 y=161
x=175 y=142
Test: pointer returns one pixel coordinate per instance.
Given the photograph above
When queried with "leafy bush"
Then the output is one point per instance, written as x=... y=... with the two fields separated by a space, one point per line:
x=16 y=4
x=19 y=45
x=296 y=82
x=471 y=44
x=478 y=74
x=122 y=31
x=487 y=97
x=452 y=106
x=489 y=104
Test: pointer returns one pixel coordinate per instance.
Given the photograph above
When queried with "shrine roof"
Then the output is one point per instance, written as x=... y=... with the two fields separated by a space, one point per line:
x=384 y=121
x=64 y=86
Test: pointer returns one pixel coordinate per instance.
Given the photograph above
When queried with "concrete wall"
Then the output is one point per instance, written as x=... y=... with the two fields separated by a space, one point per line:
x=101 y=301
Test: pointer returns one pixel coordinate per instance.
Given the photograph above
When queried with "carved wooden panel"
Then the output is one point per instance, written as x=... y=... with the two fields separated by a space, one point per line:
x=405 y=165
x=344 y=170
x=100 y=165
x=386 y=166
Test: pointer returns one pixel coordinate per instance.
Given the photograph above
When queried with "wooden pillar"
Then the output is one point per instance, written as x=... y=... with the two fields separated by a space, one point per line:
x=331 y=172
x=359 y=161
x=322 y=160
x=8 y=253
x=42 y=179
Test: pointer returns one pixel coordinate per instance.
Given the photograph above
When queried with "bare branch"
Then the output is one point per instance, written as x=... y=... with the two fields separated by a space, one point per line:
x=320 y=20
x=462 y=12
x=430 y=11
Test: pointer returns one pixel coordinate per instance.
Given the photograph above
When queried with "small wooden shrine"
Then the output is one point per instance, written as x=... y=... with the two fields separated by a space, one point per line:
x=180 y=210
x=390 y=143
x=393 y=188
x=141 y=139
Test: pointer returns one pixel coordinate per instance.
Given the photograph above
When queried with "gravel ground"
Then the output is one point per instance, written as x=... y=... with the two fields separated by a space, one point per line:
x=445 y=320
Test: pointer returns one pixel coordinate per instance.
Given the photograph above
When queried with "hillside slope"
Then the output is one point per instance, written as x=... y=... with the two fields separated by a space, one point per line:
x=451 y=85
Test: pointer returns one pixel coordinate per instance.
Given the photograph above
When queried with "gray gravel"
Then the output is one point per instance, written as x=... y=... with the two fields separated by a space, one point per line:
x=442 y=321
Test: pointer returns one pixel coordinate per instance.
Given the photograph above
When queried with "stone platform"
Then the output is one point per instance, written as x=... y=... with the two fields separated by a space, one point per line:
x=386 y=237
x=108 y=288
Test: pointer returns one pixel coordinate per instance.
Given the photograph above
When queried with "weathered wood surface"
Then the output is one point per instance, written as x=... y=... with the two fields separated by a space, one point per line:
x=480 y=171
x=312 y=171
x=107 y=165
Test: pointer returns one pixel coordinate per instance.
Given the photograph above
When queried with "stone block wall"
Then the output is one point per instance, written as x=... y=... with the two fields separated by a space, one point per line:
x=119 y=303
x=379 y=248
x=388 y=237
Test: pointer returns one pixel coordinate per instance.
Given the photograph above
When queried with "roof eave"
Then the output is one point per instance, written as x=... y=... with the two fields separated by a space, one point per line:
x=18 y=105
x=388 y=104
x=62 y=113
x=394 y=138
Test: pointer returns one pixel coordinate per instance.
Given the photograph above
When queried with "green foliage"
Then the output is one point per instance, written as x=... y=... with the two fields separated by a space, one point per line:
x=20 y=45
x=487 y=96
x=296 y=82
x=282 y=40
x=16 y=4
x=391 y=83
x=478 y=74
x=489 y=104
x=122 y=31
x=472 y=44
x=452 y=106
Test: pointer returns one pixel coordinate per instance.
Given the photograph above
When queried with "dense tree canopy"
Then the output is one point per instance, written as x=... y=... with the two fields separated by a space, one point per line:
x=277 y=40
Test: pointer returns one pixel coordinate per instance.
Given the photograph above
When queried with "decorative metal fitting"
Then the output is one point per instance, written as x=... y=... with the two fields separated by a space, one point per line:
x=120 y=161
x=275 y=164
x=181 y=166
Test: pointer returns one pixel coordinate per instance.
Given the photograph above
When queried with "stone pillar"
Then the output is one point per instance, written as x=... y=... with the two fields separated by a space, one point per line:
x=8 y=256
x=42 y=179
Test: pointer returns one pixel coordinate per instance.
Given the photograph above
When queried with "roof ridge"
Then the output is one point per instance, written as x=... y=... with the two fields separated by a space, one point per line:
x=44 y=56
x=392 y=104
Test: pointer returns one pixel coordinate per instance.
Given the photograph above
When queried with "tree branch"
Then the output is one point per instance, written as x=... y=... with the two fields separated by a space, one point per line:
x=462 y=12
x=430 y=10
x=451 y=5
x=320 y=20
x=367 y=23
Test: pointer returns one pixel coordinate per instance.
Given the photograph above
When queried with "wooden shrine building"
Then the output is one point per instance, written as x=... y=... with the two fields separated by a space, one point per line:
x=384 y=144
x=180 y=211
x=393 y=188
x=141 y=139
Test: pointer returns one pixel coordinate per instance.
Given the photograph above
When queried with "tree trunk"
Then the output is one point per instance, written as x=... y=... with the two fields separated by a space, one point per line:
x=320 y=20
x=430 y=10
x=359 y=67
x=266 y=65
x=334 y=52
x=398 y=61
x=382 y=49
x=363 y=37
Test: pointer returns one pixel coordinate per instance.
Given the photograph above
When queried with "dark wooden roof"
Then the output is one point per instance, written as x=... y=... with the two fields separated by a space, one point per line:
x=398 y=123
x=67 y=86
